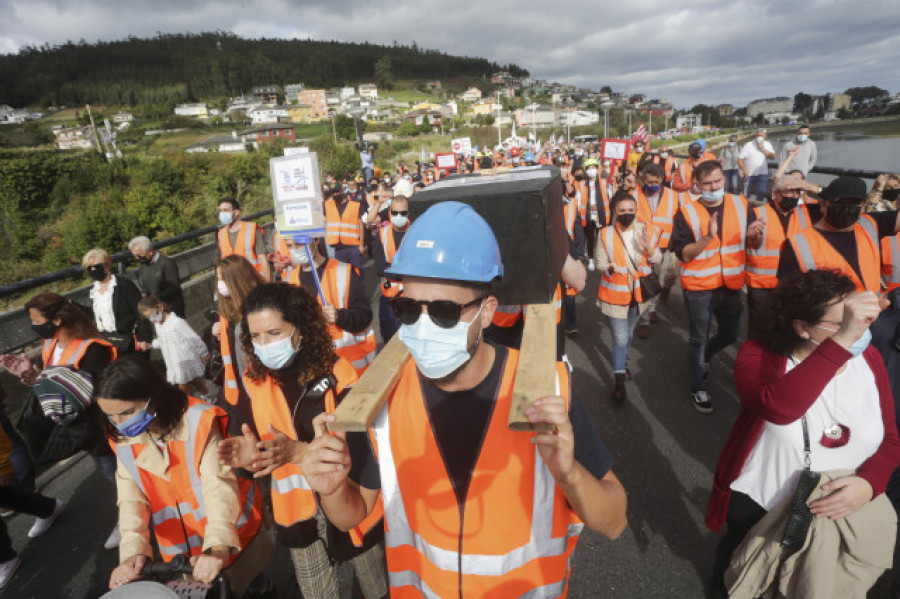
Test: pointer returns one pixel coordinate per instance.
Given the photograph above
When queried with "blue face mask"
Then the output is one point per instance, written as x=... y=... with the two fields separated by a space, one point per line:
x=651 y=190
x=136 y=424
x=277 y=354
x=860 y=345
x=714 y=197
x=802 y=138
x=225 y=218
x=438 y=351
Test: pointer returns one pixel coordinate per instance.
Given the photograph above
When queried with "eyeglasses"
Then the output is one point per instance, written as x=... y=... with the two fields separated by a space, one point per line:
x=399 y=212
x=443 y=313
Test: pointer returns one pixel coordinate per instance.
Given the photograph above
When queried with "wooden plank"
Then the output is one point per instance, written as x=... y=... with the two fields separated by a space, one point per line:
x=536 y=372
x=359 y=408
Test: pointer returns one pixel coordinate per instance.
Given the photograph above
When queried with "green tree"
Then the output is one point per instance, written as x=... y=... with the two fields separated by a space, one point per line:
x=861 y=94
x=345 y=127
x=803 y=103
x=406 y=128
x=425 y=127
x=383 y=75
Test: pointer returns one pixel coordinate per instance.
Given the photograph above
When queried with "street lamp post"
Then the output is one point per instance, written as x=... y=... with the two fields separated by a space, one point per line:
x=606 y=106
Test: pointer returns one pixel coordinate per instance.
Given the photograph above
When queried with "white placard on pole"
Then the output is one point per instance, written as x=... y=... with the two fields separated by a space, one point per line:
x=297 y=194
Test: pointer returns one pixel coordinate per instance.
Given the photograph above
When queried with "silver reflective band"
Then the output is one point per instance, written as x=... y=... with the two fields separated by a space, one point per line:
x=288 y=484
x=804 y=253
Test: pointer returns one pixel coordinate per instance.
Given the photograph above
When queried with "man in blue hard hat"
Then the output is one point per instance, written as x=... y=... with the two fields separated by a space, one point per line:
x=443 y=446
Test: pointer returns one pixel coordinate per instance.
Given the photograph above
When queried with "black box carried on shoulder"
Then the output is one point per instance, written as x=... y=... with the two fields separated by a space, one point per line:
x=523 y=207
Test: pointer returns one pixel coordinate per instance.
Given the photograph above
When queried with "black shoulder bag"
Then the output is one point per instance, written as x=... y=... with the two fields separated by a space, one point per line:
x=799 y=518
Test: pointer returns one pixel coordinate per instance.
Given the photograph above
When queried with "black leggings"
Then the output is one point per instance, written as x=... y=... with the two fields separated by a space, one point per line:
x=743 y=514
x=590 y=236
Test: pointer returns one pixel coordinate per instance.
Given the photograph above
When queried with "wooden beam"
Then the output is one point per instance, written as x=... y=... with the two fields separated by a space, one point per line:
x=536 y=372
x=359 y=408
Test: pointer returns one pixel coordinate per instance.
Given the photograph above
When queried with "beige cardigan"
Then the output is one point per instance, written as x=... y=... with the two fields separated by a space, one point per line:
x=840 y=559
x=603 y=260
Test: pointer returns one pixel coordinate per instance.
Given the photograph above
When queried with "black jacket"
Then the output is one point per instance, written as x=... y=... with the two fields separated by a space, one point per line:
x=125 y=300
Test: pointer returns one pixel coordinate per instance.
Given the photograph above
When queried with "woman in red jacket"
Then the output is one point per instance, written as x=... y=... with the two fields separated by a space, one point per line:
x=814 y=360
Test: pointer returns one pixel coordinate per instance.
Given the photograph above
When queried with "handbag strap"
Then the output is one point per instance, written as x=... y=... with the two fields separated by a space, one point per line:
x=807 y=461
x=625 y=248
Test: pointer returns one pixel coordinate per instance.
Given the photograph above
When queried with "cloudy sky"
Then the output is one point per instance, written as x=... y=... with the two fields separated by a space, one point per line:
x=687 y=51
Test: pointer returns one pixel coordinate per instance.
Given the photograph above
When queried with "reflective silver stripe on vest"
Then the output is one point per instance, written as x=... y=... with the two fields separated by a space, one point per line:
x=192 y=416
x=741 y=210
x=614 y=287
x=288 y=484
x=249 y=246
x=608 y=244
x=248 y=506
x=695 y=221
x=398 y=531
x=226 y=360
x=804 y=253
x=706 y=272
x=870 y=228
x=803 y=216
x=182 y=548
x=894 y=246
x=341 y=273
x=762 y=271
x=169 y=512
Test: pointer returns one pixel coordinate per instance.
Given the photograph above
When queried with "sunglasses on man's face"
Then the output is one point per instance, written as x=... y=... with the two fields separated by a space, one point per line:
x=399 y=212
x=443 y=313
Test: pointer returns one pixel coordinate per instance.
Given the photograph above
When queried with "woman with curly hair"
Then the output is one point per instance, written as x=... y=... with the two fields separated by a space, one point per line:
x=293 y=374
x=813 y=375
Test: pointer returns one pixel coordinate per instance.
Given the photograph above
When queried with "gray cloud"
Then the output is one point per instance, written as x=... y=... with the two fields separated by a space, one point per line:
x=689 y=52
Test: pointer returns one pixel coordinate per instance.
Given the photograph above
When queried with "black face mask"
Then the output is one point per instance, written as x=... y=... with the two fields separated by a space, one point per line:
x=890 y=195
x=579 y=177
x=841 y=216
x=695 y=153
x=788 y=204
x=626 y=219
x=45 y=331
x=143 y=260
x=97 y=272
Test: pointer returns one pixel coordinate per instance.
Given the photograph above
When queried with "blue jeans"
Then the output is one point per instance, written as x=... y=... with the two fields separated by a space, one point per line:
x=732 y=180
x=622 y=330
x=387 y=320
x=726 y=305
x=756 y=185
x=569 y=309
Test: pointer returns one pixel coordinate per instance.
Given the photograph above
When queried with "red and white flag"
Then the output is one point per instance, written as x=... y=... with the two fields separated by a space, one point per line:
x=641 y=134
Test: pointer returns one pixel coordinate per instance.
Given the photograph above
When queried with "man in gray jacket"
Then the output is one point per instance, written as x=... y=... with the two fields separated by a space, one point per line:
x=807 y=153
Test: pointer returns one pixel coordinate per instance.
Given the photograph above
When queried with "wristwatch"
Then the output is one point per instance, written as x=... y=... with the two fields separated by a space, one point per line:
x=819 y=191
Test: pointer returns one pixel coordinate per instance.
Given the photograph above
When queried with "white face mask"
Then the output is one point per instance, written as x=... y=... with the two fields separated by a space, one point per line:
x=399 y=220
x=222 y=288
x=438 y=352
x=299 y=257
x=663 y=154
x=591 y=173
x=802 y=138
x=760 y=139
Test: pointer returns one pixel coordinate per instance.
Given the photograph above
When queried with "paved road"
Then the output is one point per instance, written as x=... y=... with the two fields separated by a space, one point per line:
x=663 y=452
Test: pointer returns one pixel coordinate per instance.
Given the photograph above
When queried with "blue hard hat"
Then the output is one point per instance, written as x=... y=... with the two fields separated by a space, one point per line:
x=529 y=157
x=449 y=241
x=702 y=143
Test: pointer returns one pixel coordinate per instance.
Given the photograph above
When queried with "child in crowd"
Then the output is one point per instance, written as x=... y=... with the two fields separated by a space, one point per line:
x=184 y=352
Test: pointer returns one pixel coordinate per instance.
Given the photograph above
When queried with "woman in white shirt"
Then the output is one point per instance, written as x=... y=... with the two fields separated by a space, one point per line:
x=624 y=252
x=114 y=303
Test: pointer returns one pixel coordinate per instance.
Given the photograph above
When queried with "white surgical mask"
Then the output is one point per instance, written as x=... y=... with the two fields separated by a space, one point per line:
x=438 y=351
x=714 y=196
x=591 y=172
x=663 y=154
x=802 y=138
x=277 y=354
x=399 y=220
x=156 y=318
x=222 y=288
x=226 y=217
x=760 y=139
x=299 y=257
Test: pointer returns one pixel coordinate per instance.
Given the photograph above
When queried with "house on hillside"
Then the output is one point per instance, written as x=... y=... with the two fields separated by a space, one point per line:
x=316 y=98
x=290 y=92
x=426 y=106
x=368 y=90
x=473 y=94
x=433 y=86
x=418 y=117
x=486 y=106
x=197 y=110
x=267 y=113
x=219 y=143
x=123 y=117
x=346 y=92
x=578 y=118
x=268 y=134
x=75 y=138
x=301 y=113
x=267 y=93
x=244 y=103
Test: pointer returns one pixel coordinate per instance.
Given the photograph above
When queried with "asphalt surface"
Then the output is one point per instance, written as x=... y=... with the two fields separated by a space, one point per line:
x=663 y=451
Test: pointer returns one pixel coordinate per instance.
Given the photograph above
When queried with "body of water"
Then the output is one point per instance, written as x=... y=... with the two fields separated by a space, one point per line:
x=873 y=146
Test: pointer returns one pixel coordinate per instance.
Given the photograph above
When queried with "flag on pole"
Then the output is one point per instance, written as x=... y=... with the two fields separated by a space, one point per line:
x=422 y=156
x=641 y=134
x=553 y=138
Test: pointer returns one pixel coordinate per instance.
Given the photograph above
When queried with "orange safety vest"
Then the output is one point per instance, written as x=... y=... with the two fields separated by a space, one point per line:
x=284 y=254
x=685 y=172
x=722 y=261
x=518 y=533
x=73 y=353
x=389 y=288
x=890 y=262
x=584 y=198
x=508 y=315
x=620 y=288
x=663 y=218
x=668 y=164
x=762 y=263
x=177 y=505
x=246 y=244
x=342 y=228
x=229 y=376
x=292 y=498
x=359 y=348
x=815 y=253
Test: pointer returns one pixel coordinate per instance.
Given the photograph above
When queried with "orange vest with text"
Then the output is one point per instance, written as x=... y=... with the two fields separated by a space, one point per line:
x=721 y=262
x=815 y=253
x=245 y=243
x=621 y=287
x=342 y=228
x=663 y=218
x=176 y=503
x=518 y=532
x=358 y=348
x=762 y=263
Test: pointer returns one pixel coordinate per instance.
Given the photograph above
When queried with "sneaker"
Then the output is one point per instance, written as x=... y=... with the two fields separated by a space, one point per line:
x=42 y=525
x=7 y=569
x=590 y=265
x=702 y=402
x=643 y=331
x=619 y=394
x=115 y=537
x=705 y=371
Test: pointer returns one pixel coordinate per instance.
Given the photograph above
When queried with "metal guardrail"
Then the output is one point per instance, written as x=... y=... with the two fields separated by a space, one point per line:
x=15 y=324
x=819 y=170
x=120 y=258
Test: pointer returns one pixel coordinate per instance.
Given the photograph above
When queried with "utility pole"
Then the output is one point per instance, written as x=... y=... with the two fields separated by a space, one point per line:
x=93 y=128
x=499 y=112
x=650 y=130
x=629 y=124
x=333 y=129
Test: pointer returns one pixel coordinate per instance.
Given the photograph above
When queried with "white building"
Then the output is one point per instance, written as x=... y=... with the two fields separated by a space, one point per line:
x=368 y=90
x=244 y=103
x=578 y=118
x=198 y=111
x=291 y=90
x=75 y=138
x=454 y=108
x=346 y=92
x=473 y=94
x=267 y=113
x=781 y=104
x=219 y=143
x=689 y=121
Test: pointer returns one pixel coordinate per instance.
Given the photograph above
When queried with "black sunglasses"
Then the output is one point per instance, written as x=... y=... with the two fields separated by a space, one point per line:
x=443 y=313
x=399 y=212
